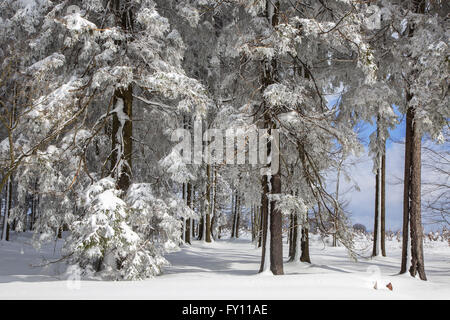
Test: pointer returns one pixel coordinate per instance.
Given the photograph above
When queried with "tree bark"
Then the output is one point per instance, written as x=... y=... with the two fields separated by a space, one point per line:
x=187 y=237
x=383 y=202
x=208 y=208
x=276 y=239
x=214 y=206
x=274 y=229
x=293 y=246
x=238 y=215
x=264 y=224
x=305 y=246
x=122 y=145
x=8 y=203
x=260 y=226
x=412 y=219
x=417 y=260
x=375 y=250
x=406 y=189
x=122 y=127
x=233 y=212
x=290 y=234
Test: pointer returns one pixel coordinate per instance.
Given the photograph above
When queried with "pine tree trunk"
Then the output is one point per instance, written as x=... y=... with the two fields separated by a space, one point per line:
x=264 y=224
x=208 y=208
x=238 y=216
x=276 y=235
x=214 y=206
x=260 y=226
x=383 y=202
x=417 y=259
x=200 y=228
x=412 y=246
x=375 y=250
x=378 y=239
x=305 y=246
x=252 y=219
x=122 y=127
x=406 y=189
x=274 y=228
x=122 y=138
x=293 y=246
x=188 y=222
x=5 y=232
x=290 y=234
x=233 y=212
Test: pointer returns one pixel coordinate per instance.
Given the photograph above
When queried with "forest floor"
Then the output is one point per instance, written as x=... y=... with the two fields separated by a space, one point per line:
x=227 y=269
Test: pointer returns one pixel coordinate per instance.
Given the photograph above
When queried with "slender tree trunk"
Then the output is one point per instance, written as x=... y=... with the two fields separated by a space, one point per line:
x=201 y=227
x=5 y=232
x=406 y=252
x=208 y=207
x=376 y=233
x=238 y=216
x=233 y=212
x=252 y=217
x=294 y=248
x=264 y=225
x=305 y=246
x=276 y=238
x=274 y=228
x=183 y=233
x=383 y=202
x=417 y=259
x=122 y=129
x=193 y=208
x=290 y=234
x=260 y=226
x=188 y=222
x=214 y=206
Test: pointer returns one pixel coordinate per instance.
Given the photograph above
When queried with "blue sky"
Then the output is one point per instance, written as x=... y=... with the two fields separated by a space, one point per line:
x=362 y=204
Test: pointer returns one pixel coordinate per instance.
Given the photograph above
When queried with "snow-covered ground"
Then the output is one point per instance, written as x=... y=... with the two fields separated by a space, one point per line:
x=227 y=269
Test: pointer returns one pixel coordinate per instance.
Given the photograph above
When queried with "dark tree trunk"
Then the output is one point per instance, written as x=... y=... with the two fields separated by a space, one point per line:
x=214 y=207
x=375 y=228
x=293 y=246
x=187 y=237
x=412 y=184
x=208 y=207
x=406 y=189
x=412 y=219
x=264 y=217
x=276 y=225
x=8 y=208
x=305 y=246
x=238 y=216
x=269 y=73
x=260 y=226
x=383 y=203
x=233 y=213
x=417 y=260
x=290 y=233
x=200 y=228
x=380 y=197
x=252 y=219
x=124 y=130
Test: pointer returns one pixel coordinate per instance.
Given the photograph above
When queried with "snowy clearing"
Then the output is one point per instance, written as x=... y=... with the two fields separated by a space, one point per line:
x=227 y=269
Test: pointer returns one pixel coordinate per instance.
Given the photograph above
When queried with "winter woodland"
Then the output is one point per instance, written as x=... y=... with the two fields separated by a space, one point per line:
x=268 y=99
